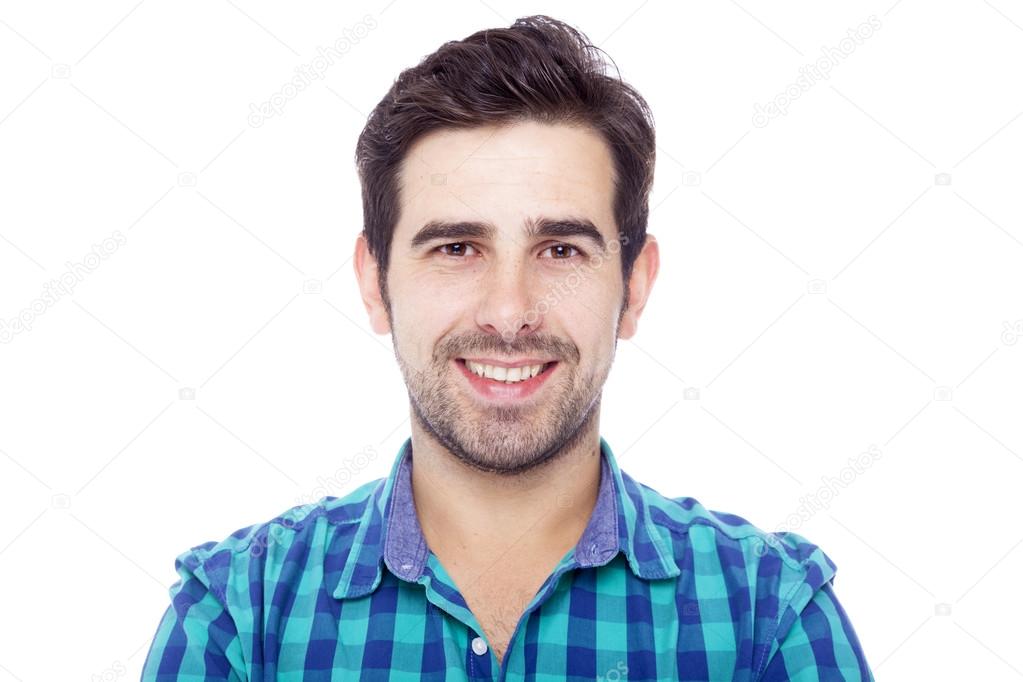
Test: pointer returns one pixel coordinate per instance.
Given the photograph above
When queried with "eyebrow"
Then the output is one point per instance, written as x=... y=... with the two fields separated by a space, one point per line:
x=561 y=228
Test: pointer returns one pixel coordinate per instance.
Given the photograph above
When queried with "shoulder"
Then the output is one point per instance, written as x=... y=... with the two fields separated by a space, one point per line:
x=676 y=517
x=256 y=550
x=779 y=573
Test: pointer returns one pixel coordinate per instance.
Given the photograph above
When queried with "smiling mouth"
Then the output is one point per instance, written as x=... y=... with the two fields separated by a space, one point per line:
x=506 y=375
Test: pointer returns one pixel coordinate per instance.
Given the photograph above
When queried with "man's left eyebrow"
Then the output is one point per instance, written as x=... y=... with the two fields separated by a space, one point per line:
x=562 y=228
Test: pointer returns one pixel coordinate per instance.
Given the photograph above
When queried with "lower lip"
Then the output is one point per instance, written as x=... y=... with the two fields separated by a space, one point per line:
x=499 y=390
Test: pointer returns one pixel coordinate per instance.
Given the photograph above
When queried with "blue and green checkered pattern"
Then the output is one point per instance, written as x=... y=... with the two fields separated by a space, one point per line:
x=656 y=589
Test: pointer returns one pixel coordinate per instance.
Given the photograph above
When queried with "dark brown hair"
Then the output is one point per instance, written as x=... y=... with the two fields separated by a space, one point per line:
x=539 y=69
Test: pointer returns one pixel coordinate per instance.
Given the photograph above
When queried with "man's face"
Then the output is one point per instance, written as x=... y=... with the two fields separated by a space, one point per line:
x=491 y=267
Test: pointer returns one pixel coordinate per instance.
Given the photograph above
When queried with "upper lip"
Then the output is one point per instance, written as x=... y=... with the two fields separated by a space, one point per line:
x=509 y=363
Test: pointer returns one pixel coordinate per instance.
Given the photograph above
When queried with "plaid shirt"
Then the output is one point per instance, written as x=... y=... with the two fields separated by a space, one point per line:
x=656 y=588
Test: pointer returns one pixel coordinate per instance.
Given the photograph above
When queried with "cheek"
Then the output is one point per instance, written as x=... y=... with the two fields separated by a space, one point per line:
x=437 y=300
x=436 y=279
x=430 y=285
x=591 y=302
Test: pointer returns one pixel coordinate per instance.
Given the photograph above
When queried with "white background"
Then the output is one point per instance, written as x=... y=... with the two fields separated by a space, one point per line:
x=847 y=276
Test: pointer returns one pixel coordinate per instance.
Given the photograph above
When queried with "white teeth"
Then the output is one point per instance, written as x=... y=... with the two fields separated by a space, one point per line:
x=509 y=375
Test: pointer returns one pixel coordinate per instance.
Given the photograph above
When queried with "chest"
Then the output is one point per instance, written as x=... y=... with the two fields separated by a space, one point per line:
x=498 y=600
x=498 y=614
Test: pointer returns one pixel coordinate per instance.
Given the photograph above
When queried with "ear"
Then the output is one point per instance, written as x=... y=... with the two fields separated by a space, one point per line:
x=366 y=274
x=641 y=281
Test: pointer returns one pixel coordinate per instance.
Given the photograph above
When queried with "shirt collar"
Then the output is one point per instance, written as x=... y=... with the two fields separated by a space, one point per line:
x=389 y=530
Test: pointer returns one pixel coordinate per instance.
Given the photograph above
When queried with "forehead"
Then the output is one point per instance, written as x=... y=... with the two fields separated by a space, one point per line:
x=506 y=175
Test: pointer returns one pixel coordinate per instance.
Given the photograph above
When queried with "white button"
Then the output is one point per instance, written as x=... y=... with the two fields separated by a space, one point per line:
x=479 y=647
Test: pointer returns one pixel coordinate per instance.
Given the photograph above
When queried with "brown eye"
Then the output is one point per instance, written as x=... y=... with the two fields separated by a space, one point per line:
x=561 y=251
x=457 y=252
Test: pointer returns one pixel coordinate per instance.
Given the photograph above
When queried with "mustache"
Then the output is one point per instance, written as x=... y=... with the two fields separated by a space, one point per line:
x=482 y=344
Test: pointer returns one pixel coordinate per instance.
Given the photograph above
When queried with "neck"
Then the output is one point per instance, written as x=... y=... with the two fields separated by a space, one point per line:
x=479 y=517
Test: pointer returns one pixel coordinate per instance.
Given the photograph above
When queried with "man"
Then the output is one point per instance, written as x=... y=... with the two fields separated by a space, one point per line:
x=505 y=183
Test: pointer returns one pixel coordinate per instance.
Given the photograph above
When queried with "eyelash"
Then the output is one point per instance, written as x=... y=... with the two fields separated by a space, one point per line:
x=440 y=248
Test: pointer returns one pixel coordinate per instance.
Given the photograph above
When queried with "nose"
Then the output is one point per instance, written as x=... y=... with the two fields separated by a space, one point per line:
x=506 y=306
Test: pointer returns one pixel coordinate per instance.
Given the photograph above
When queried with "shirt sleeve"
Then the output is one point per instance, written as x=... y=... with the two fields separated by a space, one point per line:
x=197 y=639
x=820 y=646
